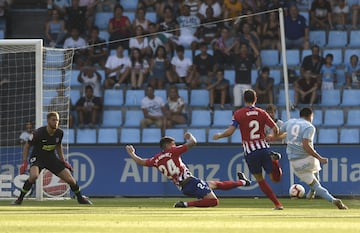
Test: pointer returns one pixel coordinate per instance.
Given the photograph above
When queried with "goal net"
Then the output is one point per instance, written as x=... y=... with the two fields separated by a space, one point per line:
x=34 y=81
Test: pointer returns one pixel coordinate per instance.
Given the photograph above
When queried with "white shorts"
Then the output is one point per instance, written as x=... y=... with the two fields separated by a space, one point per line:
x=305 y=168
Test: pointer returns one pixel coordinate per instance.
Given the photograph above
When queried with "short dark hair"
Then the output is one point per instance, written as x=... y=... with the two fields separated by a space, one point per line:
x=305 y=112
x=180 y=48
x=165 y=140
x=249 y=96
x=265 y=69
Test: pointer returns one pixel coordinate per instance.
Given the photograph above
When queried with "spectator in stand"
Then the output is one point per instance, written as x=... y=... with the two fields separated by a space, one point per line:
x=264 y=87
x=78 y=43
x=209 y=29
x=175 y=109
x=204 y=65
x=218 y=85
x=119 y=29
x=313 y=62
x=141 y=20
x=146 y=4
x=296 y=30
x=168 y=23
x=75 y=17
x=173 y=5
x=89 y=76
x=140 y=41
x=223 y=48
x=139 y=69
x=352 y=72
x=4 y=14
x=117 y=69
x=153 y=108
x=249 y=37
x=158 y=38
x=276 y=4
x=160 y=67
x=320 y=15
x=88 y=108
x=341 y=14
x=26 y=134
x=243 y=62
x=188 y=28
x=215 y=5
x=306 y=89
x=328 y=73
x=254 y=23
x=61 y=104
x=60 y=5
x=55 y=32
x=194 y=6
x=270 y=38
x=271 y=110
x=97 y=51
x=183 y=70
x=90 y=11
x=232 y=8
x=355 y=14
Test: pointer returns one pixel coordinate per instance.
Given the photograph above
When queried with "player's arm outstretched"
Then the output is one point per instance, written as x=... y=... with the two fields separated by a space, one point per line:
x=131 y=151
x=226 y=133
x=190 y=140
x=310 y=150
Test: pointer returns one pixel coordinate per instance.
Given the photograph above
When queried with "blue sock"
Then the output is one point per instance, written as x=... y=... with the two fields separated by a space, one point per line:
x=322 y=192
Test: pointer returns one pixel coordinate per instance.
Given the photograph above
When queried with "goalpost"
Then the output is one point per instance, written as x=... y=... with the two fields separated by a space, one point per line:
x=34 y=80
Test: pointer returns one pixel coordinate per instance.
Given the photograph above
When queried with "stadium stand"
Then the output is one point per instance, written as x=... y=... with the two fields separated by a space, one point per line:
x=328 y=136
x=333 y=117
x=350 y=136
x=150 y=135
x=86 y=136
x=108 y=136
x=337 y=39
x=130 y=135
x=112 y=118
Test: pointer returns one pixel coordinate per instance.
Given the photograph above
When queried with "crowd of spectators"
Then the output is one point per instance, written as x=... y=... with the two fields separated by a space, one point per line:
x=190 y=46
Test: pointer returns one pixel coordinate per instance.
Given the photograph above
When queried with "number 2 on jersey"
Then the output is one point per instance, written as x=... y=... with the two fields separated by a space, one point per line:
x=254 y=125
x=170 y=169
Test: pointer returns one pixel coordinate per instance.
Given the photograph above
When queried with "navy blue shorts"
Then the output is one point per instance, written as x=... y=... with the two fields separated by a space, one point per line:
x=196 y=188
x=258 y=160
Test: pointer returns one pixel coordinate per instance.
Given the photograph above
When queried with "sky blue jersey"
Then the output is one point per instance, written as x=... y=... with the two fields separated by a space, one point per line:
x=297 y=130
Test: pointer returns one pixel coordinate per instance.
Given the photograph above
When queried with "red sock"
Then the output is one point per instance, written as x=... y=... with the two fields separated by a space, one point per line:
x=203 y=203
x=226 y=185
x=269 y=193
x=276 y=170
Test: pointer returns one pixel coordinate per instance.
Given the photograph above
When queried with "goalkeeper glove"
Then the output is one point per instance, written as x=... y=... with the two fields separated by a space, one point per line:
x=68 y=166
x=23 y=167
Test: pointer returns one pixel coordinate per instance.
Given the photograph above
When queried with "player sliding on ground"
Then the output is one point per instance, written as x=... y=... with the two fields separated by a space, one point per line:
x=45 y=140
x=169 y=163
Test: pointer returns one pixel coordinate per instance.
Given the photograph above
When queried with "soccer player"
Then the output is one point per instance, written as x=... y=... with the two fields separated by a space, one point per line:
x=44 y=141
x=303 y=158
x=169 y=163
x=252 y=121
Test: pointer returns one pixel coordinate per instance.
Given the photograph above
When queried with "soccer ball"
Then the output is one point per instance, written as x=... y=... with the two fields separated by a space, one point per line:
x=296 y=191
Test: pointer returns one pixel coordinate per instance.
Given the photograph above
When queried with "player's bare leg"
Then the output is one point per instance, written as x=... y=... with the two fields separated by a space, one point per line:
x=276 y=172
x=264 y=186
x=34 y=174
x=227 y=185
x=210 y=200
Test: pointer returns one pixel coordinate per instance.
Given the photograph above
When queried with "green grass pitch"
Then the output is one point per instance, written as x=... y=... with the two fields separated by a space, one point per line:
x=147 y=215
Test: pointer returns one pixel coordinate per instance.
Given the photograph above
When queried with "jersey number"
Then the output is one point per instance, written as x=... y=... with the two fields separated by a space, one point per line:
x=294 y=133
x=254 y=125
x=170 y=169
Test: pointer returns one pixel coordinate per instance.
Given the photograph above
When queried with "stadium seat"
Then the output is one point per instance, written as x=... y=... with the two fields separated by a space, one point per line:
x=152 y=17
x=129 y=5
x=318 y=118
x=236 y=137
x=108 y=135
x=199 y=98
x=113 y=98
x=213 y=131
x=254 y=76
x=86 y=136
x=151 y=135
x=200 y=118
x=112 y=118
x=133 y=118
x=230 y=75
x=184 y=93
x=350 y=136
x=349 y=52
x=354 y=41
x=222 y=118
x=337 y=53
x=177 y=134
x=48 y=95
x=54 y=58
x=333 y=117
x=276 y=75
x=340 y=76
x=133 y=98
x=130 y=135
x=199 y=134
x=104 y=34
x=52 y=77
x=304 y=53
x=328 y=136
x=2 y=34
x=69 y=136
x=293 y=114
x=74 y=96
x=162 y=93
x=74 y=83
x=318 y=38
x=337 y=39
x=102 y=19
x=188 y=53
x=351 y=97
x=130 y=15
x=292 y=57
x=269 y=57
x=330 y=97
x=306 y=16
x=281 y=97
x=353 y=117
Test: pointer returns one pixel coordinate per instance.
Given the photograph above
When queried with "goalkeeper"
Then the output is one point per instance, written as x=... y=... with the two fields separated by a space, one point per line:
x=45 y=140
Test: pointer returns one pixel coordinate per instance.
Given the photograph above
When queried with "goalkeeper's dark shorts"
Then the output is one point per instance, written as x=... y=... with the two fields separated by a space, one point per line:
x=52 y=163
